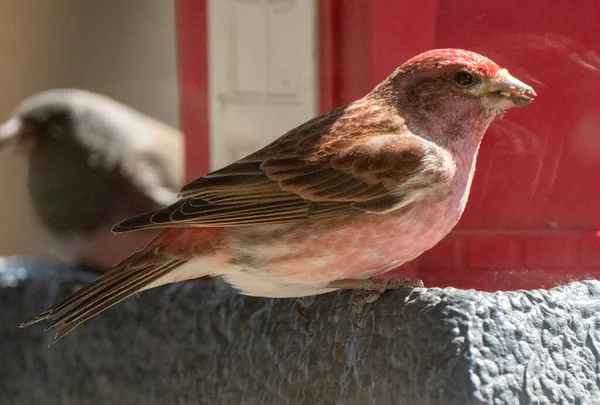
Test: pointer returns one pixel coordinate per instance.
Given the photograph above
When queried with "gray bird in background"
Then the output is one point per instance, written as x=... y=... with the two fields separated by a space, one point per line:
x=92 y=162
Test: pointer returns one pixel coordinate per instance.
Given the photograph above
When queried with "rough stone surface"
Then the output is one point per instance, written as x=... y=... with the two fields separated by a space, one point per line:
x=201 y=343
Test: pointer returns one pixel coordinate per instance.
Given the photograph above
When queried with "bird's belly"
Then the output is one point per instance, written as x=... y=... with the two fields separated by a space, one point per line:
x=311 y=255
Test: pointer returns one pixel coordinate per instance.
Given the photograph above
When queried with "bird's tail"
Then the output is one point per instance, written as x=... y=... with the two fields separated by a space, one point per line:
x=131 y=275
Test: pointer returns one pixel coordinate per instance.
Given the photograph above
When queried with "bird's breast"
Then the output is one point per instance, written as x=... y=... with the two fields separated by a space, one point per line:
x=315 y=253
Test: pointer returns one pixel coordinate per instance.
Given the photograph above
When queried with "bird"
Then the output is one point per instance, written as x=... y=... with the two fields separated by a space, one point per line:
x=332 y=203
x=91 y=162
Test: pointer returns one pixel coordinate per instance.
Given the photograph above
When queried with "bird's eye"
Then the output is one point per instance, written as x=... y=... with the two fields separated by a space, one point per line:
x=463 y=78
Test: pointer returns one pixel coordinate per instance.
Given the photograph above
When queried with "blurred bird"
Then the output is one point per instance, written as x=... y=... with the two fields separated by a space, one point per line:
x=332 y=203
x=91 y=162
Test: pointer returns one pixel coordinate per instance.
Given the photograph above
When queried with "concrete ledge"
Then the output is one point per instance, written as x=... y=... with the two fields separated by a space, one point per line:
x=202 y=343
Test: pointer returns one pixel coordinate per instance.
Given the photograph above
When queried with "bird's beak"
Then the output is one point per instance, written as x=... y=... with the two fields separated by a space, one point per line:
x=14 y=135
x=10 y=132
x=505 y=91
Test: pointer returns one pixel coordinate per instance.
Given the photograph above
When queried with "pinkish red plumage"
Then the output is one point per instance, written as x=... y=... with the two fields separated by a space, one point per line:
x=438 y=58
x=344 y=197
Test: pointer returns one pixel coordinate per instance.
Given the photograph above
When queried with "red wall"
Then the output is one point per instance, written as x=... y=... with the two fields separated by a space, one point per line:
x=533 y=216
x=534 y=211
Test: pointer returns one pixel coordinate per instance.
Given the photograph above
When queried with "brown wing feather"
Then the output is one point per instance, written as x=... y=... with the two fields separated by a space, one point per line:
x=331 y=166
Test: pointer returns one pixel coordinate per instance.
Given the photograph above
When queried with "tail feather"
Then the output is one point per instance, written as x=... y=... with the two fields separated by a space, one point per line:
x=125 y=279
x=104 y=283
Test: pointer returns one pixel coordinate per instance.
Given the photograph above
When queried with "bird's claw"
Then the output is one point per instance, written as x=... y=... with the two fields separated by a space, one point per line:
x=372 y=289
x=376 y=284
x=367 y=297
x=302 y=305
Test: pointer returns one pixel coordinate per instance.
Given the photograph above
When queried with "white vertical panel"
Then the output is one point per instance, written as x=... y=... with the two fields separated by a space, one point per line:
x=283 y=57
x=262 y=72
x=249 y=46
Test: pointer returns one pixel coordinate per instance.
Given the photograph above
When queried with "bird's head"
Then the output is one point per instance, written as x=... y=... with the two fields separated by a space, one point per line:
x=444 y=92
x=462 y=74
x=43 y=117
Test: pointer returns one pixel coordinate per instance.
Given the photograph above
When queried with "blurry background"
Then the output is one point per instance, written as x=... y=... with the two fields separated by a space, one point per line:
x=123 y=49
x=251 y=69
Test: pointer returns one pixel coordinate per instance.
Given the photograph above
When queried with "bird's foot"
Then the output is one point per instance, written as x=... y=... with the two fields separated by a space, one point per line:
x=302 y=304
x=367 y=297
x=373 y=287
x=375 y=284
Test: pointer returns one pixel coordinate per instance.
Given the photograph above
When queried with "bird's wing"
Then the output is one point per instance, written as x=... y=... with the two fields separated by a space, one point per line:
x=306 y=175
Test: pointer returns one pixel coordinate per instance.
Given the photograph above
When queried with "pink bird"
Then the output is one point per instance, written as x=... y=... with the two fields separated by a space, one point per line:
x=332 y=203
